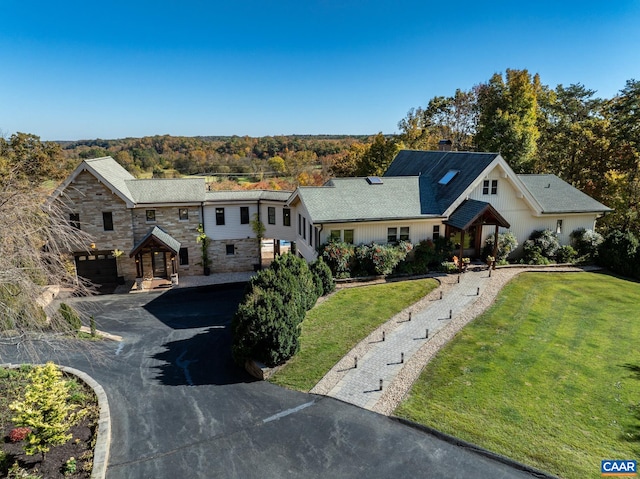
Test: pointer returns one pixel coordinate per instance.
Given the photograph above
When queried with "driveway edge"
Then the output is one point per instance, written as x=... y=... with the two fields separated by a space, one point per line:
x=475 y=448
x=103 y=441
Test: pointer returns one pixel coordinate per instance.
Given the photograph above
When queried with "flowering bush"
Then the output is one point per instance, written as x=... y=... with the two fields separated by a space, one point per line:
x=18 y=434
x=338 y=256
x=507 y=242
x=379 y=259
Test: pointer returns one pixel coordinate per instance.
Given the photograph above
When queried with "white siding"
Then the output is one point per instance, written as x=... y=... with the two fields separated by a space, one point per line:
x=278 y=230
x=232 y=229
x=376 y=232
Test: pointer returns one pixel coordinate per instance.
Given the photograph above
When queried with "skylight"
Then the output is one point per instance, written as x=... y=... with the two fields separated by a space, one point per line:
x=448 y=177
x=374 y=180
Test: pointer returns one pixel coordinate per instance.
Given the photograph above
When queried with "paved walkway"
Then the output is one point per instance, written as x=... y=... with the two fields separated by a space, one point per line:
x=361 y=384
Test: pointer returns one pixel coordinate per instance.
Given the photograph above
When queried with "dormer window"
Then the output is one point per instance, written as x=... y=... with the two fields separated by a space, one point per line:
x=450 y=175
x=490 y=187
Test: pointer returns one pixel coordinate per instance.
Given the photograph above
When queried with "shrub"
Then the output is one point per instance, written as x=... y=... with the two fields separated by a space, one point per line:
x=45 y=409
x=586 y=242
x=70 y=316
x=566 y=254
x=449 y=267
x=338 y=256
x=70 y=467
x=618 y=252
x=533 y=253
x=507 y=242
x=547 y=241
x=322 y=275
x=18 y=434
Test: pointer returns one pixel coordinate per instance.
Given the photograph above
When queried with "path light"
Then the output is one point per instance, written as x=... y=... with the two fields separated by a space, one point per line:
x=458 y=279
x=355 y=362
x=382 y=336
x=478 y=291
x=380 y=385
x=426 y=335
x=489 y=272
x=401 y=358
x=450 y=313
x=440 y=294
x=409 y=315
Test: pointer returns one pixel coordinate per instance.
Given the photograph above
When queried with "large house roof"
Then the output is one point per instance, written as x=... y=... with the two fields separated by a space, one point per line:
x=433 y=166
x=557 y=196
x=360 y=199
x=170 y=190
x=247 y=195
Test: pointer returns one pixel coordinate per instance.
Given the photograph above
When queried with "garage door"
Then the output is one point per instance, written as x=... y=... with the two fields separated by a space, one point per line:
x=97 y=268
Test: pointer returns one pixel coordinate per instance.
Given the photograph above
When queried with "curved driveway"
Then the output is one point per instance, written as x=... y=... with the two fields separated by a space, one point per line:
x=180 y=407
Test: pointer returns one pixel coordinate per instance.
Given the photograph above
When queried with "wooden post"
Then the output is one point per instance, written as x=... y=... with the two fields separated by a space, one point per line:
x=495 y=248
x=461 y=250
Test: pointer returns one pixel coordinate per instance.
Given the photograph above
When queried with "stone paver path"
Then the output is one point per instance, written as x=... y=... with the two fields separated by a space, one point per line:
x=361 y=384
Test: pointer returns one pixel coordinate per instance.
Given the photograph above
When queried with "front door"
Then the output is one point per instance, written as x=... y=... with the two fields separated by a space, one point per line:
x=159 y=264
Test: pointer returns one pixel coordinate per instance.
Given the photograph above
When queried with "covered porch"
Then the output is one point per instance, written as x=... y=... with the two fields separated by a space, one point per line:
x=466 y=225
x=156 y=254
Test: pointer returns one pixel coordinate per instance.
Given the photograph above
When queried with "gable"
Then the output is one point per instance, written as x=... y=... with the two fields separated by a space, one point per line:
x=557 y=196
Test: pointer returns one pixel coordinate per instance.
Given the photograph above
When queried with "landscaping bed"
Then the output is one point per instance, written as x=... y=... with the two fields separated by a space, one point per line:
x=72 y=459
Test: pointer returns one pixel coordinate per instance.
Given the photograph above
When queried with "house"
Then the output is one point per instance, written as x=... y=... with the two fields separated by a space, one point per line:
x=426 y=194
x=154 y=223
x=422 y=195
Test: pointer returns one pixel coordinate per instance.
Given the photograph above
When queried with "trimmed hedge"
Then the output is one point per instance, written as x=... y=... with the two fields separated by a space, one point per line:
x=266 y=326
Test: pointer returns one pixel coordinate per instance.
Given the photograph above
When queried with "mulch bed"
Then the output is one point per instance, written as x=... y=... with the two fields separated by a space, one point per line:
x=53 y=464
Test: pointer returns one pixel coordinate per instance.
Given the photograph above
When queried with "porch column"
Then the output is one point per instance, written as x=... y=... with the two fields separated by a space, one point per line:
x=495 y=242
x=461 y=250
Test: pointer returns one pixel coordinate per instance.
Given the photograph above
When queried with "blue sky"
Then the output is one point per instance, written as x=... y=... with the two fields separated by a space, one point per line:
x=77 y=70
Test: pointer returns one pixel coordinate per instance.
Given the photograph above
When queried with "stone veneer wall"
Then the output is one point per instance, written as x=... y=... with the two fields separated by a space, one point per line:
x=182 y=230
x=89 y=198
x=244 y=258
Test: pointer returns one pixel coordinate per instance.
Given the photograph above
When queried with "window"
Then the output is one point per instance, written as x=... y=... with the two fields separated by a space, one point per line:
x=304 y=228
x=286 y=216
x=219 y=216
x=392 y=235
x=310 y=234
x=231 y=249
x=151 y=216
x=559 y=227
x=74 y=220
x=436 y=232
x=107 y=220
x=490 y=186
x=271 y=215
x=449 y=175
x=183 y=214
x=184 y=256
x=348 y=236
x=404 y=233
x=244 y=215
x=299 y=225
x=334 y=235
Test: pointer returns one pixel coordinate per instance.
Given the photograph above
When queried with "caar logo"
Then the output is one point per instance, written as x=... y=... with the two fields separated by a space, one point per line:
x=610 y=467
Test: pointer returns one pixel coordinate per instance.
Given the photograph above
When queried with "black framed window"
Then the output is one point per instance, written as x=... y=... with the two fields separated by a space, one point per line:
x=74 y=220
x=183 y=254
x=334 y=235
x=150 y=216
x=219 y=216
x=485 y=187
x=271 y=215
x=436 y=232
x=392 y=235
x=230 y=249
x=404 y=233
x=244 y=215
x=348 y=236
x=183 y=214
x=494 y=187
x=299 y=224
x=286 y=216
x=310 y=234
x=107 y=220
x=304 y=228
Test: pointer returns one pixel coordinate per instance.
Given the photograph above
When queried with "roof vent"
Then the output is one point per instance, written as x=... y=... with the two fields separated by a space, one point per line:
x=374 y=180
x=450 y=175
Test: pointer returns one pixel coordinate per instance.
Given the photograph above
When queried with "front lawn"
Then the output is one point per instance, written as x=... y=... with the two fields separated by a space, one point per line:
x=334 y=327
x=549 y=376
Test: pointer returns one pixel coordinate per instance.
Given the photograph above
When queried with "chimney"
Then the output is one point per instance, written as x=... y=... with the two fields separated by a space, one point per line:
x=445 y=145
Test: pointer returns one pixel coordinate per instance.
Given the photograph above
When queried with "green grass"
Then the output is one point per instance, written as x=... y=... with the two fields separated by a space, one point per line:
x=334 y=327
x=549 y=376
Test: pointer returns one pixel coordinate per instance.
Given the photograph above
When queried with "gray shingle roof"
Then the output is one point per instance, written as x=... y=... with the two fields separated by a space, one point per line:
x=157 y=234
x=432 y=166
x=558 y=196
x=247 y=195
x=470 y=210
x=170 y=190
x=111 y=171
x=355 y=199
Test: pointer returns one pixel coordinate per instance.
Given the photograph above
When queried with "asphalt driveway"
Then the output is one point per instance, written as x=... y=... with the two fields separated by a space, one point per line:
x=180 y=407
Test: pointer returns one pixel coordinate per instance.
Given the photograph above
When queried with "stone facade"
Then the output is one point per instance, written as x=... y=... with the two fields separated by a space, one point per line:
x=245 y=255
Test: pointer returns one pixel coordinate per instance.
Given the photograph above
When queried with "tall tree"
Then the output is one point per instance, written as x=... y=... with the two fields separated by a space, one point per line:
x=508 y=113
x=378 y=156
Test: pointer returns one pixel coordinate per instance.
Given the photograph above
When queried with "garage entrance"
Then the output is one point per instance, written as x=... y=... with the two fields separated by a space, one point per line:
x=100 y=267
